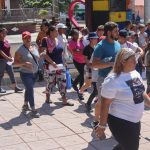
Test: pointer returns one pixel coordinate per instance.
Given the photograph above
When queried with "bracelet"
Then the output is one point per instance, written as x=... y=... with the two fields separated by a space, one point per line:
x=101 y=126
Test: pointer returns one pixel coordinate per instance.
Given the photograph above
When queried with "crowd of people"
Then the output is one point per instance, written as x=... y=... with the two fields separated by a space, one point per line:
x=109 y=60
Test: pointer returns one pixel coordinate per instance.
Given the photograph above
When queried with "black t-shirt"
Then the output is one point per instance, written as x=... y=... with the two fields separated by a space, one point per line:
x=88 y=51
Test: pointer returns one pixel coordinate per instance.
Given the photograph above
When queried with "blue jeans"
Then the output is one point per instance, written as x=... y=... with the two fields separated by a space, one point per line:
x=28 y=79
x=9 y=69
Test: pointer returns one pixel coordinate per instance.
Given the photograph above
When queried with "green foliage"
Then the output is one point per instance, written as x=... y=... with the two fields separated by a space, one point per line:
x=38 y=3
x=43 y=13
x=63 y=7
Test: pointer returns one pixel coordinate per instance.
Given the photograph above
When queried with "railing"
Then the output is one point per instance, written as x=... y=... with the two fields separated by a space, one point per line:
x=23 y=14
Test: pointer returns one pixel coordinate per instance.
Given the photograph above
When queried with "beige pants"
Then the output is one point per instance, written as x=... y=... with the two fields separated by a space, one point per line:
x=99 y=85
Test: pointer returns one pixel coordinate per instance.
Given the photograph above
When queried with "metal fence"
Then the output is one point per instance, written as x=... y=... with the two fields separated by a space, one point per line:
x=23 y=14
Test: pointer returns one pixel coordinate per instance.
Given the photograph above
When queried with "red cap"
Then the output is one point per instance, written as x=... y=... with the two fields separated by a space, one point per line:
x=25 y=34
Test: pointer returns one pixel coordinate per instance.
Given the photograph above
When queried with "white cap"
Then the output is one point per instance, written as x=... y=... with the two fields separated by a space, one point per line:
x=61 y=25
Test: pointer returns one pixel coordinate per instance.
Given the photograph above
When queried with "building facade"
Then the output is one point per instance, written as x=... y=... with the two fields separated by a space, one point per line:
x=2 y=4
x=139 y=8
x=11 y=4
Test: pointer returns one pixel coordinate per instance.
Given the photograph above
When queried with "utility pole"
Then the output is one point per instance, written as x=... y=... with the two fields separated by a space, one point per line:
x=146 y=10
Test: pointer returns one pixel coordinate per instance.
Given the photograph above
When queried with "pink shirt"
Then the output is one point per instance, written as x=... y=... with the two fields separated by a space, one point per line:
x=76 y=47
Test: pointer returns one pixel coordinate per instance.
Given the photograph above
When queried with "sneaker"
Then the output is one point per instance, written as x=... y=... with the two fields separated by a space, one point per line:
x=94 y=124
x=25 y=107
x=17 y=89
x=68 y=104
x=80 y=96
x=2 y=90
x=35 y=114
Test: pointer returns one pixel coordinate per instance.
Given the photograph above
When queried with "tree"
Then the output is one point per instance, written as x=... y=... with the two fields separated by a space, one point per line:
x=38 y=3
x=43 y=13
x=63 y=5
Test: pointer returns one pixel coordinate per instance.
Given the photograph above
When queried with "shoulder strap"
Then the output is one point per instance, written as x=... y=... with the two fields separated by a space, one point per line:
x=32 y=56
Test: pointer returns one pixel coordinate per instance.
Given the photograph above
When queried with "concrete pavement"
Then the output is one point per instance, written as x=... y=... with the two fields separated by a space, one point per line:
x=58 y=128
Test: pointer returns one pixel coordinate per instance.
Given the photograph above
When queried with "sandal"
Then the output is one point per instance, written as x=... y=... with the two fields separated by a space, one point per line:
x=68 y=104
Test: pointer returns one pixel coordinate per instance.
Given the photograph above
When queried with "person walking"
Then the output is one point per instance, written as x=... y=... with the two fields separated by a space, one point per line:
x=122 y=103
x=62 y=40
x=123 y=40
x=41 y=35
x=6 y=61
x=44 y=28
x=87 y=52
x=103 y=59
x=55 y=69
x=147 y=66
x=75 y=46
x=27 y=57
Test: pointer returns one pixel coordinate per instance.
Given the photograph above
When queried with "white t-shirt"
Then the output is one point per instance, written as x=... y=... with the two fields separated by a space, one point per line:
x=126 y=92
x=62 y=41
x=142 y=39
x=129 y=45
x=133 y=47
x=85 y=41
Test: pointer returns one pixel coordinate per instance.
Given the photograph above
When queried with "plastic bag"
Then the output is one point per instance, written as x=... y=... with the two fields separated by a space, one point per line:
x=68 y=80
x=144 y=74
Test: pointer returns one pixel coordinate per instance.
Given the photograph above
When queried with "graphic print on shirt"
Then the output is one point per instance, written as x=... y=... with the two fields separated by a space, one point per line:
x=137 y=89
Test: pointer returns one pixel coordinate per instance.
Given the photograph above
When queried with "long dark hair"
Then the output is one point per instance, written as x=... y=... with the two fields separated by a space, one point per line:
x=50 y=29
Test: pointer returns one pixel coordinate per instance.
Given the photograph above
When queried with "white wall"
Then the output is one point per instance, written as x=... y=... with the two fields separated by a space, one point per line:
x=7 y=4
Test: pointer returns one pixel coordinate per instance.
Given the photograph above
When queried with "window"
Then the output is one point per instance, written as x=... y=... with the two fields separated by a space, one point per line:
x=117 y=5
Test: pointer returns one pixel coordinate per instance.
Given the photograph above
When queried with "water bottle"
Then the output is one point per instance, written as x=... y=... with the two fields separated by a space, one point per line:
x=107 y=59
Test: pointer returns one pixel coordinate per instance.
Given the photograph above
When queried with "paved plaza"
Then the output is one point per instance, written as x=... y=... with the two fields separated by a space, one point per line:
x=58 y=128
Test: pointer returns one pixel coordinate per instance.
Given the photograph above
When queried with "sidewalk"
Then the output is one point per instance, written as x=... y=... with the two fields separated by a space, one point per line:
x=58 y=128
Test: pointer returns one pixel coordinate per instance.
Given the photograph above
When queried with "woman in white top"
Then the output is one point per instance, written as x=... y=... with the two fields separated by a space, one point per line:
x=123 y=96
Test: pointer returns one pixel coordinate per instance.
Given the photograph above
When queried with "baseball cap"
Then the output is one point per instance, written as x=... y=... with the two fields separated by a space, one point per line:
x=132 y=33
x=25 y=34
x=123 y=33
x=61 y=25
x=92 y=35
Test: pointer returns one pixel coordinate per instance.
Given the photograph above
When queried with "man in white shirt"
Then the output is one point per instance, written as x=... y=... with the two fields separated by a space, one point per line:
x=123 y=34
x=142 y=37
x=123 y=40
